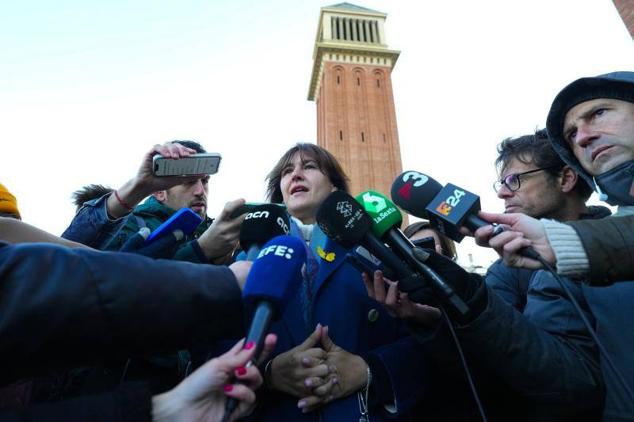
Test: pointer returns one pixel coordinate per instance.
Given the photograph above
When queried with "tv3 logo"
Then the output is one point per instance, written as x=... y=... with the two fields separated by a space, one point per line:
x=419 y=179
x=451 y=202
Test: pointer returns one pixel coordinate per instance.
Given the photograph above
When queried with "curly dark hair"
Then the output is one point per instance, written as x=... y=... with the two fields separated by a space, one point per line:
x=536 y=149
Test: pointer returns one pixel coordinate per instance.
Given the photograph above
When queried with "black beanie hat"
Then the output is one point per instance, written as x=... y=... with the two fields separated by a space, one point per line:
x=615 y=85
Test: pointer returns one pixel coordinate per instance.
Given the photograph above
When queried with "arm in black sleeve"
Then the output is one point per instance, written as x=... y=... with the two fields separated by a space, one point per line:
x=546 y=354
x=65 y=306
x=129 y=402
x=609 y=245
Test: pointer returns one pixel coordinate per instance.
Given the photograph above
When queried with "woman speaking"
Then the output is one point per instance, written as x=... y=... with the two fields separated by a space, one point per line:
x=339 y=356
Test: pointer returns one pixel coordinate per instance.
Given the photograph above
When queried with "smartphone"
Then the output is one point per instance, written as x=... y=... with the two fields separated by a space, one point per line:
x=364 y=261
x=425 y=243
x=183 y=219
x=195 y=164
x=250 y=206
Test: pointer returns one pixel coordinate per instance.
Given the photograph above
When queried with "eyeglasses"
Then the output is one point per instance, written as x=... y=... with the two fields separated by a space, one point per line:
x=512 y=181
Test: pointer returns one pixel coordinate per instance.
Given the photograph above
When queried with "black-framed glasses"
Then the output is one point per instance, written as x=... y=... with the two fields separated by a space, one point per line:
x=513 y=181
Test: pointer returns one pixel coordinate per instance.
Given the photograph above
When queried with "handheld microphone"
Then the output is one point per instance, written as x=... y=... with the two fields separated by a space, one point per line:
x=386 y=222
x=261 y=224
x=272 y=281
x=447 y=209
x=343 y=219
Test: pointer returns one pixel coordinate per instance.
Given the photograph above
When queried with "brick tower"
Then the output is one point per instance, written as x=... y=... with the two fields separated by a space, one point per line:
x=626 y=10
x=352 y=87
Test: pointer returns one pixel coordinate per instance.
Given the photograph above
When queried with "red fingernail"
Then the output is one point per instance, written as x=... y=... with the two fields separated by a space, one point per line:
x=228 y=387
x=249 y=345
x=241 y=371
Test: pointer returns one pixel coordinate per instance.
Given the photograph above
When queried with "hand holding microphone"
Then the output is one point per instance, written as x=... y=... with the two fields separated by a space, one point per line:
x=448 y=209
x=524 y=232
x=272 y=281
x=202 y=395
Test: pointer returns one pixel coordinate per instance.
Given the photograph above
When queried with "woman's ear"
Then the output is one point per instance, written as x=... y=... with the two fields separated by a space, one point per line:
x=569 y=179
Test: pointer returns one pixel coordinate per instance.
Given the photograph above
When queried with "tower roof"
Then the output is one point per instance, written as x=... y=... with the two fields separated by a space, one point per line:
x=351 y=8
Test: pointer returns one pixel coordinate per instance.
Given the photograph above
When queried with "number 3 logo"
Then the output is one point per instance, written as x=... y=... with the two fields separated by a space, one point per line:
x=419 y=178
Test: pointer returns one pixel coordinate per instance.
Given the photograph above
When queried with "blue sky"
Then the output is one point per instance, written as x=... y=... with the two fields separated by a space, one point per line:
x=87 y=87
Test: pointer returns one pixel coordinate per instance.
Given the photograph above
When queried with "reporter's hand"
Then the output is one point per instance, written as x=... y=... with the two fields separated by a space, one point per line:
x=299 y=370
x=202 y=395
x=523 y=231
x=163 y=248
x=221 y=238
x=397 y=303
x=351 y=375
x=145 y=182
x=241 y=270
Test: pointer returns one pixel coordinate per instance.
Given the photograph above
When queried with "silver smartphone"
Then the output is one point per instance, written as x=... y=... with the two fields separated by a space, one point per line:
x=195 y=164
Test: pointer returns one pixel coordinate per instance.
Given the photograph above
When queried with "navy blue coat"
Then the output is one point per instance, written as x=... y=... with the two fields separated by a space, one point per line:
x=338 y=299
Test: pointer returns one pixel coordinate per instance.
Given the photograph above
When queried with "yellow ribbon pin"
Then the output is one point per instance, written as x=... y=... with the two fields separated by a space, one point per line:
x=328 y=256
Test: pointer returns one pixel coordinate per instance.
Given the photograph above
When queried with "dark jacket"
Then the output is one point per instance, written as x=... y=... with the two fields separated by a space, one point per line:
x=152 y=214
x=92 y=226
x=336 y=297
x=511 y=284
x=129 y=402
x=63 y=307
x=66 y=308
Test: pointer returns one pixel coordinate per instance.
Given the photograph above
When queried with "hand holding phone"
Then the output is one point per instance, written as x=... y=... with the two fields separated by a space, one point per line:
x=192 y=165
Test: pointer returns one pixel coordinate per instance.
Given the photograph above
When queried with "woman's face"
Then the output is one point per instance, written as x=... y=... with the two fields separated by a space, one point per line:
x=304 y=187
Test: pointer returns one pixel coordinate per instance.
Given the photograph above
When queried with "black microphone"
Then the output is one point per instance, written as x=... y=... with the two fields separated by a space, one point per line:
x=343 y=219
x=260 y=225
x=387 y=220
x=272 y=281
x=447 y=208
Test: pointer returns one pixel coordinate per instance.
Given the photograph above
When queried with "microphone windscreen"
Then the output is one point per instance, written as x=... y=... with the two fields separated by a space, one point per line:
x=342 y=219
x=383 y=212
x=412 y=191
x=262 y=224
x=276 y=273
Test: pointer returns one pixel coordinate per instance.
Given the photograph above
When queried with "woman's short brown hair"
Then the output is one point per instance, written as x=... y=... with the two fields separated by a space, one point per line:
x=326 y=162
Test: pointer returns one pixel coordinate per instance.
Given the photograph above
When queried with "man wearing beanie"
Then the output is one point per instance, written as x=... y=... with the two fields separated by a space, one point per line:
x=8 y=204
x=591 y=126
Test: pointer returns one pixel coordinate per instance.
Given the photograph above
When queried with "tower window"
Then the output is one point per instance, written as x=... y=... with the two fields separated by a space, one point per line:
x=376 y=31
x=339 y=81
x=384 y=138
x=378 y=83
x=341 y=135
x=362 y=137
x=359 y=81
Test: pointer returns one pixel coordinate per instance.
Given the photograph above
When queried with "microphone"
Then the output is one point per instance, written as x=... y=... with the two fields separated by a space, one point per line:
x=272 y=281
x=447 y=209
x=386 y=226
x=343 y=219
x=261 y=224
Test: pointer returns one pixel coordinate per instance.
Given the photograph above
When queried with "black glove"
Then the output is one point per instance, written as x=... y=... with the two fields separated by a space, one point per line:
x=470 y=287
x=163 y=248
